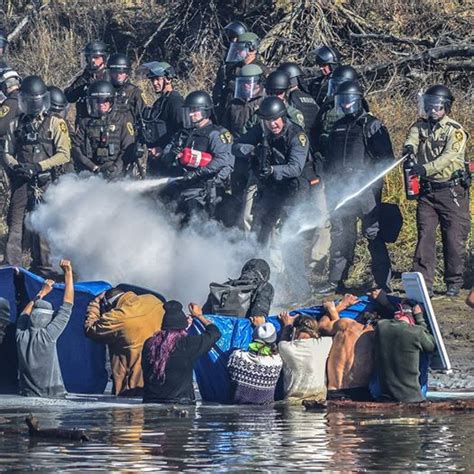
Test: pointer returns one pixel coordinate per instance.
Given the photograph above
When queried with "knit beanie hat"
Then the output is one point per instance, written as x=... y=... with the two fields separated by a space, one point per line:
x=174 y=317
x=265 y=333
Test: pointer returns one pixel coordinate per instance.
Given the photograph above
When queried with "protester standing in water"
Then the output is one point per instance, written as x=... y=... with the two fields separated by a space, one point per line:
x=169 y=355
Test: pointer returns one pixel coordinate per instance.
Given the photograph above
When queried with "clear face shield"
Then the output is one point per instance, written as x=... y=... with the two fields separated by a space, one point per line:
x=118 y=77
x=333 y=84
x=99 y=106
x=193 y=116
x=348 y=104
x=93 y=62
x=272 y=126
x=247 y=88
x=431 y=106
x=34 y=105
x=236 y=53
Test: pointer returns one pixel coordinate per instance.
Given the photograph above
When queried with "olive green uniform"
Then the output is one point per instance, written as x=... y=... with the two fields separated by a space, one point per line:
x=444 y=198
x=42 y=141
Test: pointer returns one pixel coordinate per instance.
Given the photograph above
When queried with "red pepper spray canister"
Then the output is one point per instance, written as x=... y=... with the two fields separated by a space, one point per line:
x=412 y=182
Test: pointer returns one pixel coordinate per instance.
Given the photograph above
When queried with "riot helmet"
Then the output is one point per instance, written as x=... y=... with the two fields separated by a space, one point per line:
x=277 y=82
x=294 y=72
x=94 y=55
x=34 y=97
x=241 y=48
x=349 y=98
x=233 y=30
x=339 y=75
x=157 y=69
x=248 y=84
x=271 y=110
x=119 y=67
x=99 y=94
x=196 y=108
x=59 y=103
x=9 y=79
x=327 y=56
x=436 y=101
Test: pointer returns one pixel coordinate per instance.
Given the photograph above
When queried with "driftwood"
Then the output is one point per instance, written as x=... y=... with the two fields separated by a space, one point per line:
x=441 y=405
x=54 y=433
x=392 y=39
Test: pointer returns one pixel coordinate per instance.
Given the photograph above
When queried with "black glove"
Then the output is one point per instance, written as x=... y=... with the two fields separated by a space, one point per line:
x=27 y=170
x=189 y=176
x=409 y=150
x=418 y=170
x=266 y=171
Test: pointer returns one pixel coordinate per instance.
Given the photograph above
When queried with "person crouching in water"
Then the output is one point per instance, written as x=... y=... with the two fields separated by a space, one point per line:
x=38 y=329
x=254 y=373
x=351 y=360
x=398 y=344
x=304 y=354
x=124 y=321
x=169 y=355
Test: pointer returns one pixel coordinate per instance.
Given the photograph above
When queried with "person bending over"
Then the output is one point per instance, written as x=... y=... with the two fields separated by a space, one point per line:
x=351 y=359
x=124 y=321
x=398 y=344
x=38 y=329
x=254 y=373
x=304 y=354
x=169 y=355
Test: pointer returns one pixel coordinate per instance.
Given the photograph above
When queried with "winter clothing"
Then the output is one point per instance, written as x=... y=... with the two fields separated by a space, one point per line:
x=124 y=329
x=174 y=317
x=177 y=384
x=36 y=336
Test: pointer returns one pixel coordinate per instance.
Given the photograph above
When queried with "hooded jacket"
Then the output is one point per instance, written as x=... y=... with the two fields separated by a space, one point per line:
x=124 y=329
x=36 y=337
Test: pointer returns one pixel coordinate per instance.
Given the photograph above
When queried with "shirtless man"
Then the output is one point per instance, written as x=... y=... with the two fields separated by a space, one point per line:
x=351 y=360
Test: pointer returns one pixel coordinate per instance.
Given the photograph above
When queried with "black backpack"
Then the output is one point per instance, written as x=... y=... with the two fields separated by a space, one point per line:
x=232 y=298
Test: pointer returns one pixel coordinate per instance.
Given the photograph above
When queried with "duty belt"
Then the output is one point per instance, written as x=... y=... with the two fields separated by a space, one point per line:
x=429 y=186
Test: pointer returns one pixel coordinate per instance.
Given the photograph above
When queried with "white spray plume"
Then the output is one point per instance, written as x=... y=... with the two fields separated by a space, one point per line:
x=112 y=232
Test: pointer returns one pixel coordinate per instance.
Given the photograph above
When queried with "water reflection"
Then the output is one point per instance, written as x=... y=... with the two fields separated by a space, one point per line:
x=231 y=438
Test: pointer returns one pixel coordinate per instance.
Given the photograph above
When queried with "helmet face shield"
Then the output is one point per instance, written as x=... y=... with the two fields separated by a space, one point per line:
x=333 y=84
x=433 y=106
x=348 y=103
x=99 y=106
x=236 y=53
x=34 y=104
x=247 y=88
x=118 y=77
x=93 y=62
x=192 y=116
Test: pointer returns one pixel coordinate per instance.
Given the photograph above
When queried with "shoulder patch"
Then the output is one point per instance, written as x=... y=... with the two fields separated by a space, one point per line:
x=4 y=109
x=130 y=129
x=458 y=139
x=300 y=119
x=302 y=139
x=226 y=137
x=373 y=126
x=62 y=126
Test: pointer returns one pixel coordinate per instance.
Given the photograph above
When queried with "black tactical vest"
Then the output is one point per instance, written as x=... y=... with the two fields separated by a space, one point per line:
x=33 y=141
x=306 y=105
x=103 y=135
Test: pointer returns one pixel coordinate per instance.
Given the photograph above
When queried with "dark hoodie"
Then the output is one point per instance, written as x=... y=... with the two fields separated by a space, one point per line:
x=36 y=336
x=8 y=357
x=255 y=271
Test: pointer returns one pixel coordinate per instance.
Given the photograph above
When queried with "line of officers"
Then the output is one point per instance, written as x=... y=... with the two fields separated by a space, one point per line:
x=263 y=143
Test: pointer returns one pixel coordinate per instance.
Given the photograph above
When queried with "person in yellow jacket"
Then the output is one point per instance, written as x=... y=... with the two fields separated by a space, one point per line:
x=123 y=321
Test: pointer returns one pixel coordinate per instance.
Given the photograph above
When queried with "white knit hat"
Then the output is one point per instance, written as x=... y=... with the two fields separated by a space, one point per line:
x=265 y=333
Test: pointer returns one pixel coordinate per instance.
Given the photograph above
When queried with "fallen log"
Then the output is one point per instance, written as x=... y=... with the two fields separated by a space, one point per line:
x=53 y=433
x=431 y=406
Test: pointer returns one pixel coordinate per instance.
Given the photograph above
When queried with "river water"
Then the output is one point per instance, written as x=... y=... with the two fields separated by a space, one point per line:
x=132 y=437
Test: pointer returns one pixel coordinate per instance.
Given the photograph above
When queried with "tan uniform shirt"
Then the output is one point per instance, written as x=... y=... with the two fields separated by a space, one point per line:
x=440 y=148
x=60 y=136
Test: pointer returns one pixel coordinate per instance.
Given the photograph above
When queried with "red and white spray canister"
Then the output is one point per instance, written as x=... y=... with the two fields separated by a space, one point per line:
x=412 y=182
x=194 y=158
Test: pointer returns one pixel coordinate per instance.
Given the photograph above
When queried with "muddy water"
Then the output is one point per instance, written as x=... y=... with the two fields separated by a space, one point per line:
x=136 y=437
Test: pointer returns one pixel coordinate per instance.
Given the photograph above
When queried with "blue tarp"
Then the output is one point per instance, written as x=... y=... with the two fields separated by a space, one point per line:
x=83 y=360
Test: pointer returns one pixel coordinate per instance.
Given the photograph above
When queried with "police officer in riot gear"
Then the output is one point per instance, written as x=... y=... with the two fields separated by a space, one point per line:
x=281 y=155
x=438 y=144
x=3 y=45
x=36 y=145
x=358 y=141
x=164 y=118
x=104 y=139
x=327 y=58
x=242 y=52
x=233 y=30
x=200 y=154
x=58 y=102
x=297 y=96
x=94 y=60
x=9 y=85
